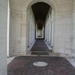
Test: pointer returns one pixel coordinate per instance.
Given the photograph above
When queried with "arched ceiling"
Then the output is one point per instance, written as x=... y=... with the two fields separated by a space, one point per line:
x=40 y=10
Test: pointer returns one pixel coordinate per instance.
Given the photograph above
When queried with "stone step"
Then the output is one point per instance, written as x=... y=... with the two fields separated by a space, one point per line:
x=39 y=53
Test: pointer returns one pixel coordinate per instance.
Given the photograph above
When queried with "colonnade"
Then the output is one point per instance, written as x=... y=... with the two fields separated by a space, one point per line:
x=49 y=28
x=39 y=32
x=30 y=28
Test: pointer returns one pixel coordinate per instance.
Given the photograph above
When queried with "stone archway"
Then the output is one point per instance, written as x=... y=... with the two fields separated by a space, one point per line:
x=52 y=3
x=18 y=22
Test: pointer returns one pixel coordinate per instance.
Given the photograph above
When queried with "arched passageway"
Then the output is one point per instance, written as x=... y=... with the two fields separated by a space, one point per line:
x=40 y=25
x=23 y=26
x=64 y=28
x=40 y=11
x=28 y=24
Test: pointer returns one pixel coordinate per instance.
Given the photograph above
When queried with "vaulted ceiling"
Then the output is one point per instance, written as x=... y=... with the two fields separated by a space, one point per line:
x=40 y=11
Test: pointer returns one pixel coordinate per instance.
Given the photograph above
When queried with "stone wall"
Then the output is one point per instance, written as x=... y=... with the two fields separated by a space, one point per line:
x=73 y=44
x=21 y=36
x=3 y=37
x=48 y=27
x=15 y=33
x=63 y=10
x=63 y=28
x=30 y=29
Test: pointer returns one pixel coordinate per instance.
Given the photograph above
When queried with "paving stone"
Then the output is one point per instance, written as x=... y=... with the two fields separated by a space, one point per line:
x=23 y=65
x=39 y=46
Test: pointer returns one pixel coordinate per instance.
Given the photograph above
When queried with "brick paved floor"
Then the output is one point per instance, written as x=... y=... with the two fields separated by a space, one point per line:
x=24 y=66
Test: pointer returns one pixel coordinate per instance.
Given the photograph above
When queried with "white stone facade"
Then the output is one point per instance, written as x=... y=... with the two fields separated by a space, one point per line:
x=62 y=30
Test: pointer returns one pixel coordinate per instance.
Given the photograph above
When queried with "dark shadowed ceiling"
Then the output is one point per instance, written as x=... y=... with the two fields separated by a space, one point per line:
x=40 y=11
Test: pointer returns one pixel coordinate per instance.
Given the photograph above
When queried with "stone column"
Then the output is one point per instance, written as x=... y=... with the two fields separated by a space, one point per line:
x=49 y=33
x=52 y=22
